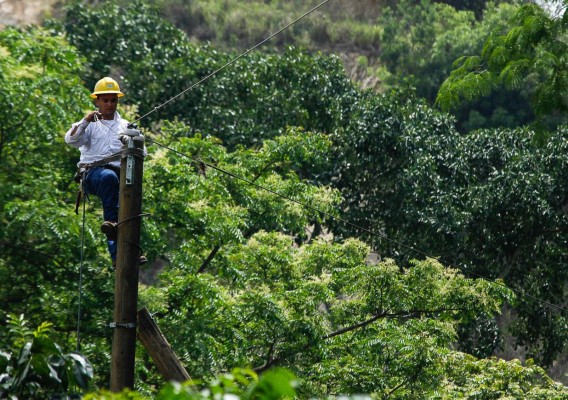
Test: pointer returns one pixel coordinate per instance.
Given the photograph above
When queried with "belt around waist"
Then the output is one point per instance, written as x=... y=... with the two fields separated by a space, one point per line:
x=112 y=168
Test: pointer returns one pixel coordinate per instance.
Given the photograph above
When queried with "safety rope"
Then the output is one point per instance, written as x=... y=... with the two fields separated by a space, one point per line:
x=234 y=60
x=81 y=278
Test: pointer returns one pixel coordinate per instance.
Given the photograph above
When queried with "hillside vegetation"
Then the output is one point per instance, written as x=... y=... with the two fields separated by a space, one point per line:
x=382 y=44
x=359 y=239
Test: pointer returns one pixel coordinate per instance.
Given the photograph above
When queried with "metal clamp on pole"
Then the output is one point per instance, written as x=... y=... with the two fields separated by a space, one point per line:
x=130 y=169
x=130 y=153
x=128 y=325
x=131 y=132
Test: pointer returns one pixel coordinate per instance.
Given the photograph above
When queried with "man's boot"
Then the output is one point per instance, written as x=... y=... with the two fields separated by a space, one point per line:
x=109 y=228
x=141 y=261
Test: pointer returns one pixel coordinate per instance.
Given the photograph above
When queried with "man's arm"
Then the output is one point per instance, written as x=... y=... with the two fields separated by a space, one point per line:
x=76 y=135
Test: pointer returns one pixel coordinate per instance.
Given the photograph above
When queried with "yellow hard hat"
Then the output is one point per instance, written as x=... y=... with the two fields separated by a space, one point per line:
x=106 y=85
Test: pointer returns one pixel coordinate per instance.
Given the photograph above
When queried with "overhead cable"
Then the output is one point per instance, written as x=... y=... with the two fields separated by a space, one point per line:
x=234 y=60
x=200 y=162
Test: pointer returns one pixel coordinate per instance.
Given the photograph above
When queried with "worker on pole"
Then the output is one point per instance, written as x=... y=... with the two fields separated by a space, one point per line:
x=98 y=136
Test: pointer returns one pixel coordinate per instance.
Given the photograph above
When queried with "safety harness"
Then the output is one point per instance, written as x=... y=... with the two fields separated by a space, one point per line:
x=83 y=170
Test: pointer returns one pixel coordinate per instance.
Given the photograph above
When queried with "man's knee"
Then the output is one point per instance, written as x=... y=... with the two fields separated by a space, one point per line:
x=109 y=178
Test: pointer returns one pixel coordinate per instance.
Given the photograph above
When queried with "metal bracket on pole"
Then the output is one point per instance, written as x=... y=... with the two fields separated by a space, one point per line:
x=129 y=170
x=131 y=132
x=128 y=325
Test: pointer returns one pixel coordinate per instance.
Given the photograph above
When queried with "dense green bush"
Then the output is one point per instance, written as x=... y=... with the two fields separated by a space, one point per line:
x=528 y=54
x=420 y=44
x=248 y=280
x=36 y=367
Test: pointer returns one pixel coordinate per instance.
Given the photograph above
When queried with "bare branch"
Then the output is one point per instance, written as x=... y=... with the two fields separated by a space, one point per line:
x=210 y=257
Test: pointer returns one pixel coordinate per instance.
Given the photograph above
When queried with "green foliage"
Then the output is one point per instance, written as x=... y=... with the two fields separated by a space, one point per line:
x=493 y=378
x=223 y=209
x=419 y=40
x=488 y=202
x=249 y=297
x=38 y=74
x=239 y=384
x=257 y=300
x=420 y=43
x=255 y=99
x=36 y=367
x=530 y=53
x=249 y=279
x=40 y=235
x=106 y=35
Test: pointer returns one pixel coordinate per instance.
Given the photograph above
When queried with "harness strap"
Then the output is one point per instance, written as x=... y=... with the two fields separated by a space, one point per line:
x=78 y=201
x=79 y=179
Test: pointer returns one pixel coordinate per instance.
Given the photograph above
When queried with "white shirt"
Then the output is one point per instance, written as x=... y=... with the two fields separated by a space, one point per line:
x=97 y=140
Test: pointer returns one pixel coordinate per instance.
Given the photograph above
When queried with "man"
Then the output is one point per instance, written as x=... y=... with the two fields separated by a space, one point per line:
x=98 y=136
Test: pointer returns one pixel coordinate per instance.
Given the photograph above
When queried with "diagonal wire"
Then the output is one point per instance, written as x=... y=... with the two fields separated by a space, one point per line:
x=199 y=162
x=234 y=60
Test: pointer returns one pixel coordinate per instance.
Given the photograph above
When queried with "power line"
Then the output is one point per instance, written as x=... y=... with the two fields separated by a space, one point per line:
x=200 y=162
x=234 y=60
x=106 y=160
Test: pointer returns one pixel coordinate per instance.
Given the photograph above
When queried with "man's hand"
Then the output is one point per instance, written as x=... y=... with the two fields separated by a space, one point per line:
x=93 y=116
x=90 y=117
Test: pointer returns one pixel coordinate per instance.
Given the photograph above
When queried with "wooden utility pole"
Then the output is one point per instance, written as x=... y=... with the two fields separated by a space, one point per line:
x=127 y=264
x=159 y=349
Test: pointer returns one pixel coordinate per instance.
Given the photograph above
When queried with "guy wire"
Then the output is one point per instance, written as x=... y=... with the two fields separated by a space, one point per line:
x=522 y=293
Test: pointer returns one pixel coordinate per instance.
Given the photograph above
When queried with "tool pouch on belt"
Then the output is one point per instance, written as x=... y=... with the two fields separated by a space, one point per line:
x=78 y=176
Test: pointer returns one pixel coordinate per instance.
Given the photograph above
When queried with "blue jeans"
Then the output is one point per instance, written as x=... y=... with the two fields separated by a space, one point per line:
x=104 y=183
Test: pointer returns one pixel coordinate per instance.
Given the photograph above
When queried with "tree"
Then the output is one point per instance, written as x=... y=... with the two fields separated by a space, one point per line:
x=36 y=366
x=494 y=378
x=420 y=43
x=41 y=91
x=116 y=39
x=40 y=242
x=488 y=202
x=529 y=54
x=38 y=74
x=248 y=296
